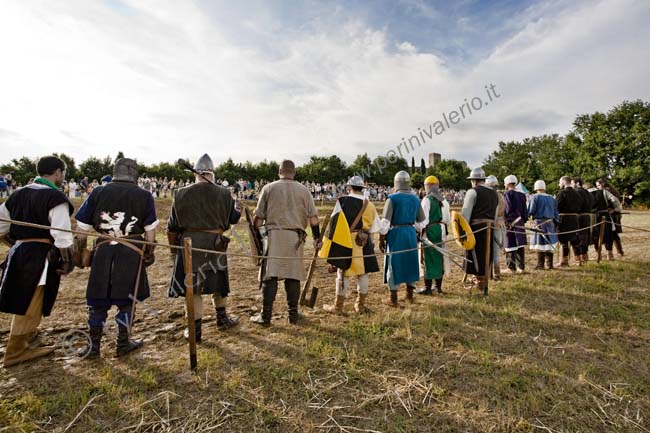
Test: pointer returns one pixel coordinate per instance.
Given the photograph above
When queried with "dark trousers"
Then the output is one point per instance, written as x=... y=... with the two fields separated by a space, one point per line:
x=582 y=246
x=291 y=287
x=97 y=315
x=516 y=259
x=574 y=241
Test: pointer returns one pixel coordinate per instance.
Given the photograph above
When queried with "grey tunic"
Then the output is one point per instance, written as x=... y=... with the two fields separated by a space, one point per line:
x=285 y=206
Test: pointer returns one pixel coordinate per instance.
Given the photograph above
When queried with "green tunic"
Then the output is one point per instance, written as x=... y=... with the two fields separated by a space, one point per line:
x=433 y=260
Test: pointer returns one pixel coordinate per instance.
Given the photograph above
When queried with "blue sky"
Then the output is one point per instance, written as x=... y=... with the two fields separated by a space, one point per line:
x=161 y=79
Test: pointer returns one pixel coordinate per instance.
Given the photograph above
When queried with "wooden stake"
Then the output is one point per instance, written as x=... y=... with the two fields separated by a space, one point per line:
x=488 y=253
x=189 y=298
x=601 y=236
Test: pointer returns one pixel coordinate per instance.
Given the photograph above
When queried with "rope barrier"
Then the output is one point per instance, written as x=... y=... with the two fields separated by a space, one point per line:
x=266 y=257
x=202 y=250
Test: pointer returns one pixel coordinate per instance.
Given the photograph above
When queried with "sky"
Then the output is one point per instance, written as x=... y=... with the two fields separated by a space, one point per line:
x=254 y=80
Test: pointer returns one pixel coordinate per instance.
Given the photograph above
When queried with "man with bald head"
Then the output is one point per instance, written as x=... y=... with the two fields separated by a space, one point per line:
x=283 y=211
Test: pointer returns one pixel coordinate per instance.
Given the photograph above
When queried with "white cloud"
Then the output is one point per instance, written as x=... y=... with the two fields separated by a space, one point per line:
x=160 y=80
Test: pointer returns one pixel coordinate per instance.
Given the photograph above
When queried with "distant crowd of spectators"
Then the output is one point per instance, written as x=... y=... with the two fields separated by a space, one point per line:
x=242 y=189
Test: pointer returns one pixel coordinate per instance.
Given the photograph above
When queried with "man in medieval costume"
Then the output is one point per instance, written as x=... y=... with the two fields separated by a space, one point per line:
x=122 y=210
x=363 y=222
x=480 y=211
x=606 y=205
x=498 y=232
x=398 y=238
x=283 y=211
x=37 y=257
x=203 y=211
x=581 y=250
x=516 y=216
x=569 y=204
x=542 y=208
x=433 y=231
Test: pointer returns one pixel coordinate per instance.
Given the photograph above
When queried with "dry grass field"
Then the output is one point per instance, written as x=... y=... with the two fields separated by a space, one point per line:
x=551 y=351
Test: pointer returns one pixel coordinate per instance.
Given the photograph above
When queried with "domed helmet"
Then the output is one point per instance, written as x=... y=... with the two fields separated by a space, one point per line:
x=477 y=174
x=204 y=164
x=402 y=180
x=356 y=181
x=539 y=185
x=492 y=181
x=510 y=179
x=431 y=180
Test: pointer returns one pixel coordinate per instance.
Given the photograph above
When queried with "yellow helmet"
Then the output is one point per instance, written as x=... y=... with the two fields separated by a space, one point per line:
x=431 y=180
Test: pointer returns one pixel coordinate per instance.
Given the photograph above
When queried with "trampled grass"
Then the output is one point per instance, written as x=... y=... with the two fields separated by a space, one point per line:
x=553 y=351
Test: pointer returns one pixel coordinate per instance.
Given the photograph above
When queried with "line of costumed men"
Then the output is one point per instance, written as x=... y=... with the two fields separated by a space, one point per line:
x=125 y=214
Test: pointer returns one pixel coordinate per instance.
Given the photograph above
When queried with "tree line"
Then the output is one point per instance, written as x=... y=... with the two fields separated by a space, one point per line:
x=319 y=169
x=613 y=145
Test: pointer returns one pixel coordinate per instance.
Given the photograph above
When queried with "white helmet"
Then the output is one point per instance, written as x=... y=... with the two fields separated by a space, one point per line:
x=477 y=173
x=225 y=184
x=510 y=179
x=491 y=181
x=539 y=185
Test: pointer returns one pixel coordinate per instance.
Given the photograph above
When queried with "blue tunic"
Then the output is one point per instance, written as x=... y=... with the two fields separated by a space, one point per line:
x=543 y=209
x=403 y=267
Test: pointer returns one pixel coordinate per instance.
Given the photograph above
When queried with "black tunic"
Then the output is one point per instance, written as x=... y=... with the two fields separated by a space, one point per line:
x=485 y=208
x=351 y=207
x=120 y=209
x=569 y=201
x=25 y=261
x=202 y=206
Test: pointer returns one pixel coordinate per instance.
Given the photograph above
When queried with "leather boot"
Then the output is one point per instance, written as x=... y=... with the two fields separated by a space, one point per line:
x=124 y=344
x=610 y=255
x=269 y=290
x=409 y=294
x=197 y=331
x=496 y=271
x=619 y=247
x=426 y=290
x=585 y=258
x=18 y=350
x=439 y=286
x=293 y=296
x=540 y=261
x=549 y=260
x=95 y=342
x=337 y=307
x=224 y=321
x=360 y=304
x=391 y=301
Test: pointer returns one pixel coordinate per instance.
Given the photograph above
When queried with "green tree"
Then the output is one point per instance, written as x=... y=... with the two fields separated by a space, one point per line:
x=384 y=168
x=71 y=168
x=323 y=169
x=362 y=167
x=96 y=168
x=616 y=145
x=423 y=167
x=22 y=170
x=451 y=173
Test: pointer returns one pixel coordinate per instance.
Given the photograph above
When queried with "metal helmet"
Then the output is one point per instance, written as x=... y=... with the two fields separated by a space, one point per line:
x=126 y=170
x=356 y=181
x=225 y=184
x=477 y=174
x=539 y=184
x=510 y=179
x=431 y=180
x=492 y=181
x=402 y=180
x=204 y=164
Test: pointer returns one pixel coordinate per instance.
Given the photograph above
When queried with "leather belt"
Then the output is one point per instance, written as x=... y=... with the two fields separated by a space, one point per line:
x=212 y=231
x=122 y=241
